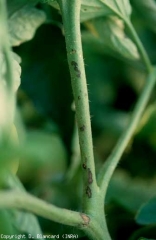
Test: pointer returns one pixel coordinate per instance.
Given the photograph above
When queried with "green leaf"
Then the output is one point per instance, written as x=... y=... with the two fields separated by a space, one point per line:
x=45 y=148
x=110 y=32
x=15 y=5
x=25 y=222
x=7 y=115
x=145 y=239
x=24 y=23
x=44 y=155
x=6 y=226
x=92 y=9
x=89 y=9
x=17 y=71
x=135 y=191
x=147 y=10
x=47 y=1
x=121 y=8
x=149 y=233
x=16 y=67
x=147 y=213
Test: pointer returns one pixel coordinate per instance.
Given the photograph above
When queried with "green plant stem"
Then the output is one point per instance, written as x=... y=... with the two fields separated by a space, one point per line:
x=140 y=47
x=71 y=21
x=112 y=161
x=25 y=201
x=75 y=156
x=93 y=204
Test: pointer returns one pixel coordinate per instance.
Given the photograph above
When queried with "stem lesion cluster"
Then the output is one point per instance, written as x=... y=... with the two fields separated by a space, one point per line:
x=71 y=22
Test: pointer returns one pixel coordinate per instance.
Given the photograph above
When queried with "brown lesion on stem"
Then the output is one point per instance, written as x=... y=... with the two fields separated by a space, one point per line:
x=84 y=166
x=77 y=70
x=86 y=219
x=82 y=128
x=73 y=63
x=88 y=192
x=73 y=51
x=90 y=177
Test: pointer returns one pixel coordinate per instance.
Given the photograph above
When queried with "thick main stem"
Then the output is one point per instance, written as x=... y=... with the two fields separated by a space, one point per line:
x=112 y=161
x=93 y=204
x=71 y=21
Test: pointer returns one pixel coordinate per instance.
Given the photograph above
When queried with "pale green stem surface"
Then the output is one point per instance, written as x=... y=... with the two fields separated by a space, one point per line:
x=75 y=156
x=112 y=161
x=93 y=204
x=71 y=21
x=25 y=201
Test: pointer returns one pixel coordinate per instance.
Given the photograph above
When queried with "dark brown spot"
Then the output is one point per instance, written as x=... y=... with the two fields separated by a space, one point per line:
x=90 y=178
x=85 y=218
x=72 y=51
x=82 y=128
x=76 y=69
x=78 y=74
x=73 y=63
x=88 y=192
x=84 y=166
